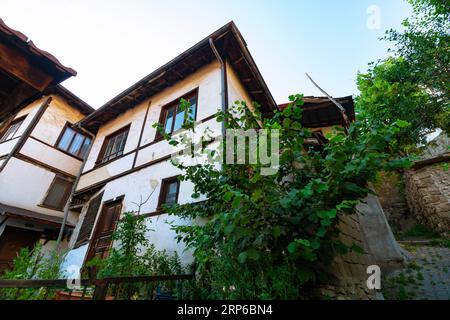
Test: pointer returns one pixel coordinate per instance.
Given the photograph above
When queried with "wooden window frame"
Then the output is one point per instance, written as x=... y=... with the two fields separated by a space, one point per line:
x=14 y=122
x=66 y=195
x=61 y=135
x=175 y=103
x=163 y=191
x=101 y=154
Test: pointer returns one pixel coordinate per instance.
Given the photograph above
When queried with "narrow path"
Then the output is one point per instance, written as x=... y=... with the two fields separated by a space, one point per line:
x=427 y=276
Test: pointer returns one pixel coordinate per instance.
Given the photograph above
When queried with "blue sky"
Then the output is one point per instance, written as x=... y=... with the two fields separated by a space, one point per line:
x=112 y=44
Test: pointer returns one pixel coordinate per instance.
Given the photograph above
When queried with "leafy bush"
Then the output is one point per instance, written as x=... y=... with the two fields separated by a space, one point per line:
x=133 y=255
x=272 y=236
x=33 y=264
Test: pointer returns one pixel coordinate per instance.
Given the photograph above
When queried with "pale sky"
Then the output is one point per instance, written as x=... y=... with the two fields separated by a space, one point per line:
x=112 y=44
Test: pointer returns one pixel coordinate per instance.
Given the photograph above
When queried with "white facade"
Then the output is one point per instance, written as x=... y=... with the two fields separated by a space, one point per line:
x=29 y=173
x=122 y=180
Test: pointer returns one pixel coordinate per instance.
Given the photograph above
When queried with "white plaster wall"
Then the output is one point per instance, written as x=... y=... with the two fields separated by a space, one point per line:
x=53 y=157
x=29 y=113
x=25 y=185
x=104 y=172
x=53 y=120
x=236 y=90
x=207 y=80
x=135 y=185
x=7 y=146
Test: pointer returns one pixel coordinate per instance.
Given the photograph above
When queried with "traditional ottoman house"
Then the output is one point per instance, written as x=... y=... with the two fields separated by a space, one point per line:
x=129 y=161
x=40 y=152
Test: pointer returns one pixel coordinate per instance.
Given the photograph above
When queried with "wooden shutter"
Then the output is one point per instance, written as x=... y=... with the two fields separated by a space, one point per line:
x=89 y=220
x=58 y=193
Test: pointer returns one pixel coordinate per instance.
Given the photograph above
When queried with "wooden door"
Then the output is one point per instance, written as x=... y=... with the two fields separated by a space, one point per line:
x=107 y=222
x=11 y=241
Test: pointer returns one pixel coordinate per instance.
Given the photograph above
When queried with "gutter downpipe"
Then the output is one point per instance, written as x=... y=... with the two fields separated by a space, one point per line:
x=224 y=92
x=74 y=187
x=27 y=132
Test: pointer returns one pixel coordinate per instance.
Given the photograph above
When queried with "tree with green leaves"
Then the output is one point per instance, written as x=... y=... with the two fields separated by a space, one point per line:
x=412 y=85
x=273 y=236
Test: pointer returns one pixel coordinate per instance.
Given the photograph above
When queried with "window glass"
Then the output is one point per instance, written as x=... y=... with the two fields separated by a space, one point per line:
x=114 y=145
x=85 y=148
x=179 y=120
x=76 y=145
x=192 y=108
x=74 y=142
x=12 y=129
x=169 y=120
x=66 y=139
x=174 y=118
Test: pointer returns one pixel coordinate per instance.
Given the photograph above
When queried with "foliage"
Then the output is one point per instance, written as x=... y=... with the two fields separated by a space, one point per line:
x=418 y=231
x=389 y=93
x=425 y=44
x=413 y=85
x=33 y=264
x=271 y=236
x=133 y=255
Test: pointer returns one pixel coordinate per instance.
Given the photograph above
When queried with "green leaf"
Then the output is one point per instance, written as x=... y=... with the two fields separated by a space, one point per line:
x=236 y=202
x=292 y=247
x=357 y=249
x=329 y=214
x=402 y=123
x=242 y=257
x=228 y=196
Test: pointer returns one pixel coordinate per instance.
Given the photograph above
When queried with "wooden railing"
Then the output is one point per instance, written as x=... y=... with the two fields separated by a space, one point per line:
x=158 y=287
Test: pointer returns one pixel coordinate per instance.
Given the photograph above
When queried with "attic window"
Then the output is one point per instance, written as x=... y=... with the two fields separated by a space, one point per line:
x=12 y=129
x=172 y=117
x=114 y=145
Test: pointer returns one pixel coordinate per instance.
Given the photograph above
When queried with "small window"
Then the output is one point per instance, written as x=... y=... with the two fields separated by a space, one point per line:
x=173 y=118
x=74 y=142
x=12 y=129
x=58 y=193
x=113 y=146
x=170 y=188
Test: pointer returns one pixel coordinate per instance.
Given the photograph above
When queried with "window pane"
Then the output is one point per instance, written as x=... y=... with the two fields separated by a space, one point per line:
x=109 y=146
x=77 y=142
x=66 y=139
x=115 y=146
x=85 y=148
x=58 y=193
x=192 y=108
x=169 y=120
x=116 y=150
x=122 y=143
x=171 y=195
x=179 y=120
x=9 y=134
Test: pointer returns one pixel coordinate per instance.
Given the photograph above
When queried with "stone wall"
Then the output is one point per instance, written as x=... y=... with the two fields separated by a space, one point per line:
x=428 y=193
x=348 y=272
x=390 y=190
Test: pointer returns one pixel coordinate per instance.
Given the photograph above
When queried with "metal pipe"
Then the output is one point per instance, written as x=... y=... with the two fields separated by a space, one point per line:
x=224 y=93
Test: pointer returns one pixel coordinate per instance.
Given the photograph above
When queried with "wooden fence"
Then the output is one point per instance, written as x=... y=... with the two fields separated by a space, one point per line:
x=158 y=287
